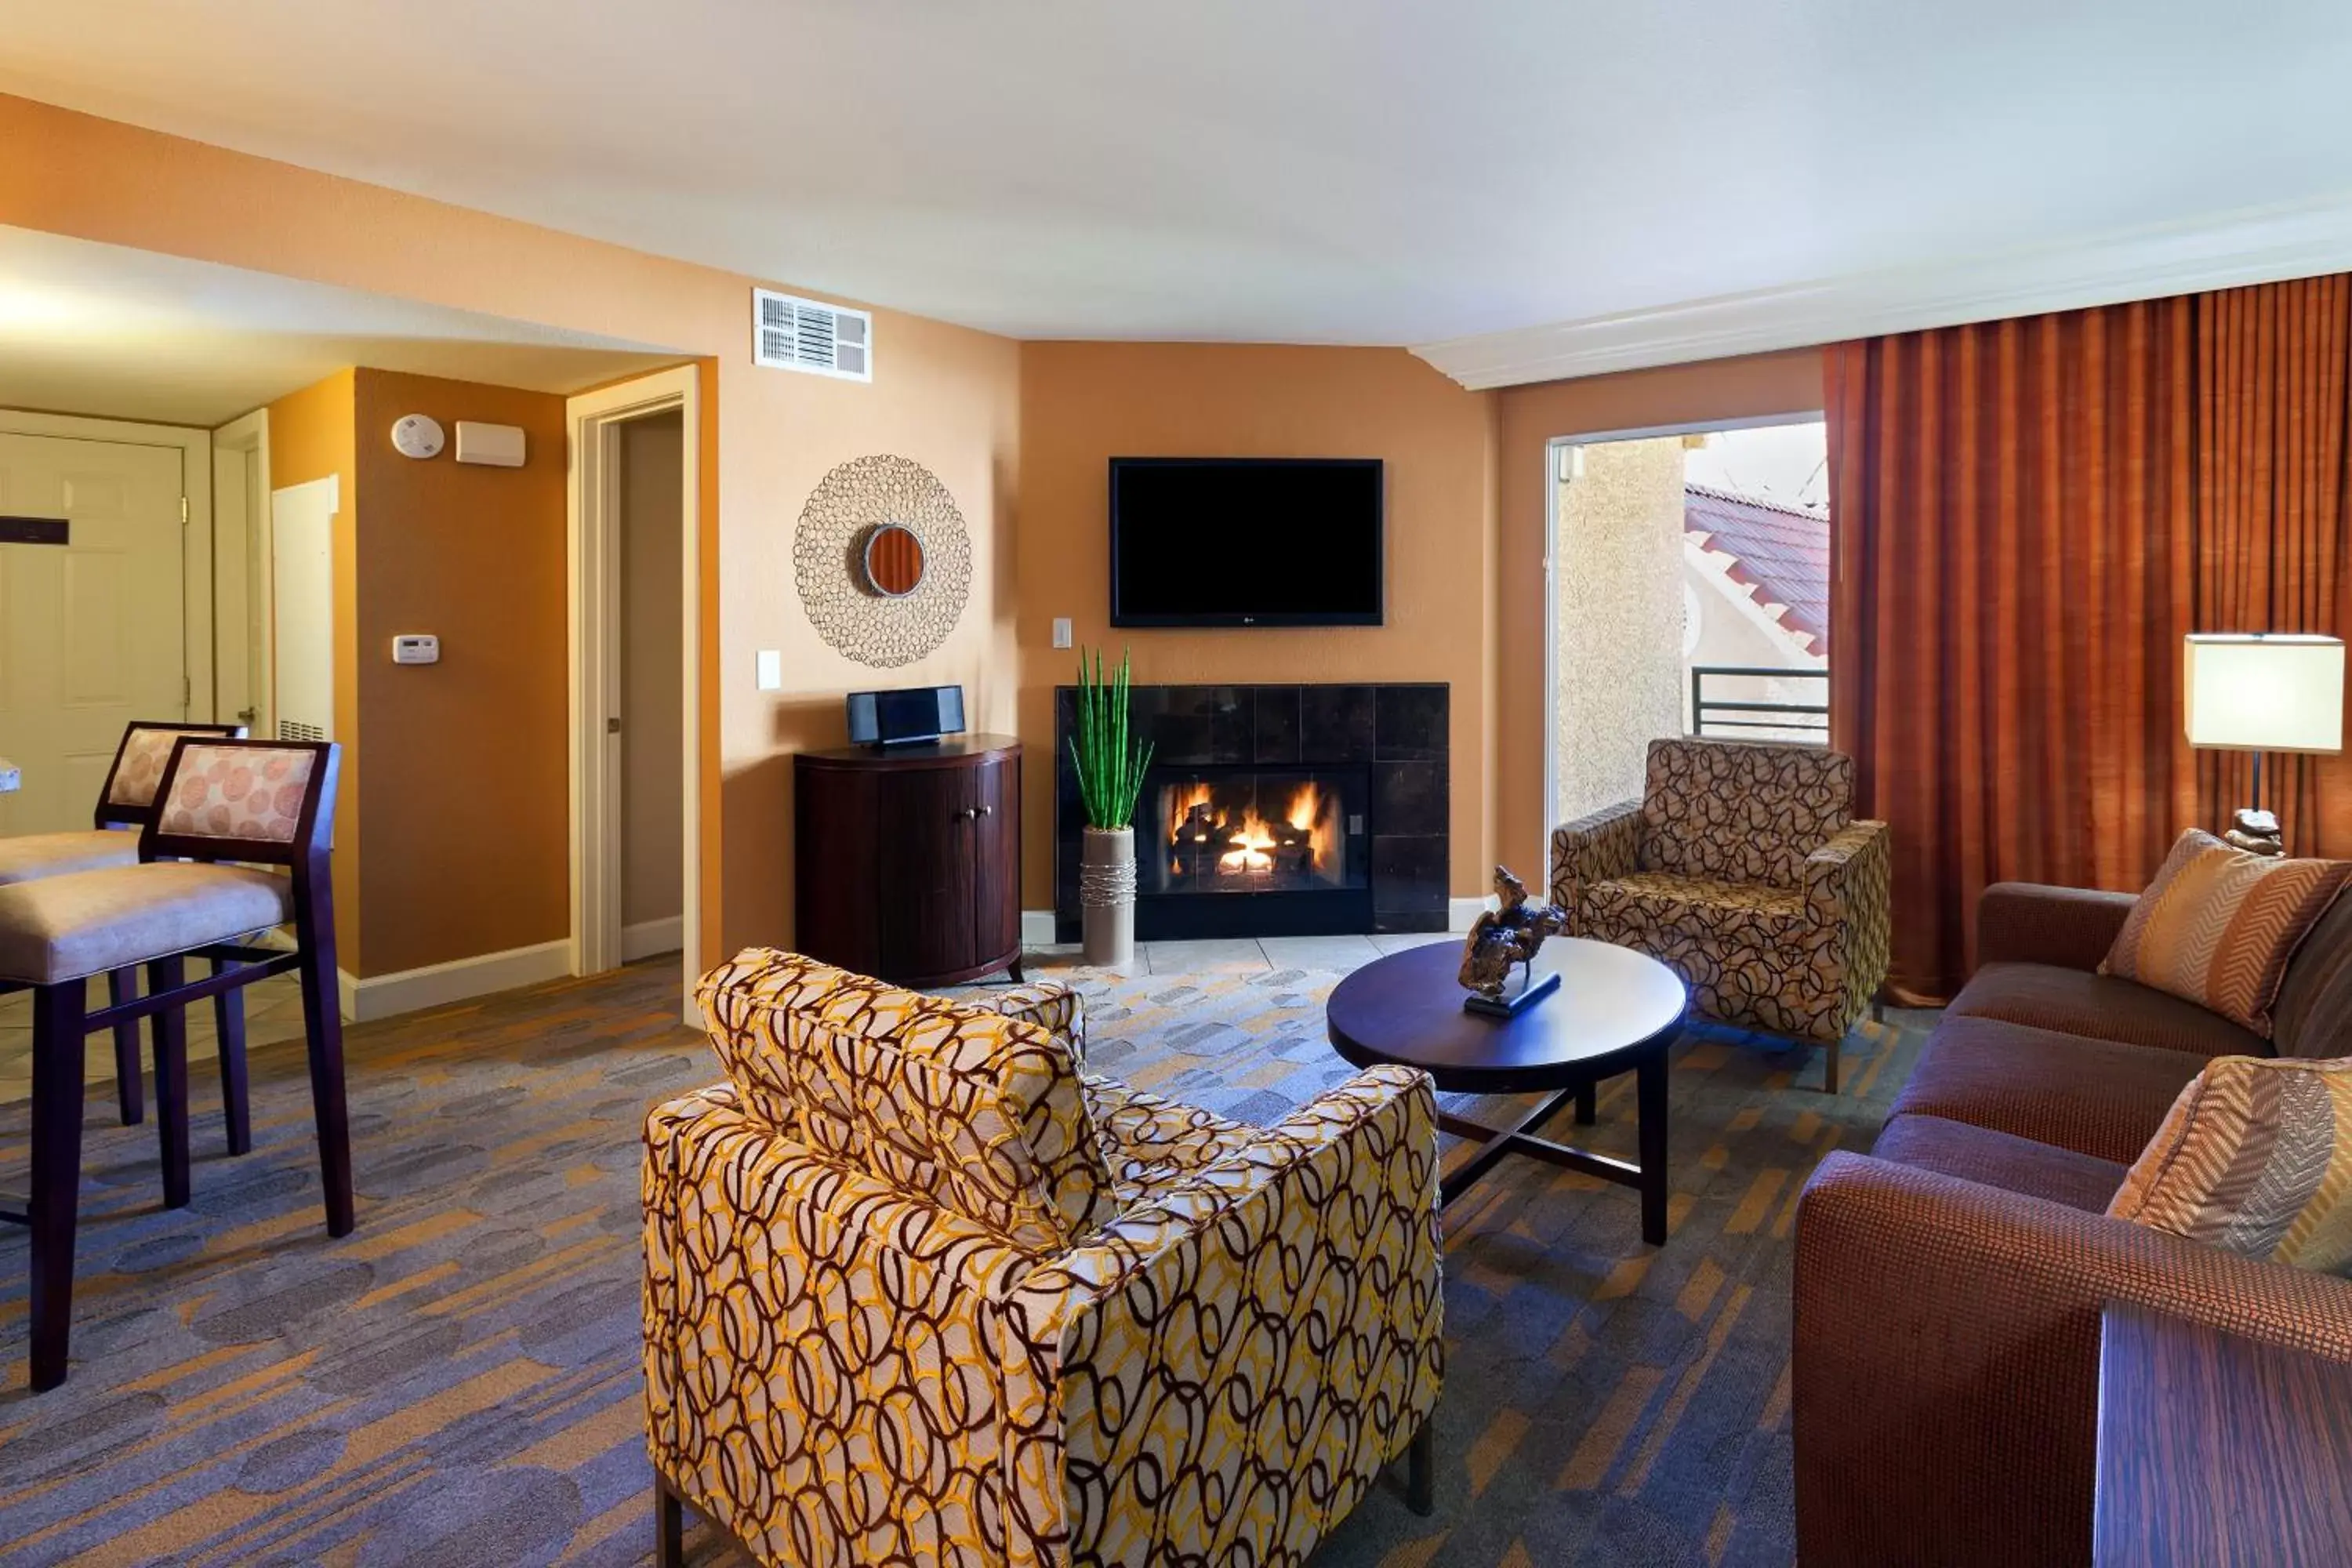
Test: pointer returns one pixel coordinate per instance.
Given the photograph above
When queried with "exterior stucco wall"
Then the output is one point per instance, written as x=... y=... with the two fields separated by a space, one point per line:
x=1619 y=571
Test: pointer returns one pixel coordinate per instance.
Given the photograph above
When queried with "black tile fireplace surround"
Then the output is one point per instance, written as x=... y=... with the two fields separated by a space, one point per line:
x=1306 y=810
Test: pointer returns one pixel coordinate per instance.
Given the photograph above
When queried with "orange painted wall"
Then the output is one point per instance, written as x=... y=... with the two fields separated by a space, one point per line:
x=1083 y=403
x=945 y=396
x=463 y=822
x=310 y=437
x=1527 y=419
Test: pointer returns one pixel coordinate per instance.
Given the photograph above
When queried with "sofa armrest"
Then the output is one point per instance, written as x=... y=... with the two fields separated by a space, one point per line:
x=1594 y=848
x=2032 y=922
x=1310 y=1257
x=795 y=1309
x=1946 y=1367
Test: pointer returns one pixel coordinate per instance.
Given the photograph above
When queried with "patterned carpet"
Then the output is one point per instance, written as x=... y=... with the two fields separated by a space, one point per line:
x=457 y=1383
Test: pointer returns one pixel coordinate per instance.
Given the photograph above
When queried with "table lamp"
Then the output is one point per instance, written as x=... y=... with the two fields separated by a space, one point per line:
x=2263 y=691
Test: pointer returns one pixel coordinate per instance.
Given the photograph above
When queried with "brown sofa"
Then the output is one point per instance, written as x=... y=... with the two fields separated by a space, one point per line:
x=1948 y=1286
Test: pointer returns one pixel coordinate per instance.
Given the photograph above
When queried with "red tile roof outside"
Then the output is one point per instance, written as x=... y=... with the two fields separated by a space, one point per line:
x=1780 y=552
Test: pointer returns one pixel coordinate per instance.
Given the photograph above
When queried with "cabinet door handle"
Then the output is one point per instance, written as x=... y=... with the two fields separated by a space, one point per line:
x=965 y=814
x=983 y=810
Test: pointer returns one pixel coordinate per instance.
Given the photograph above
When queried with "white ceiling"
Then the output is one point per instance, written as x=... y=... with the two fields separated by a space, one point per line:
x=1359 y=170
x=129 y=334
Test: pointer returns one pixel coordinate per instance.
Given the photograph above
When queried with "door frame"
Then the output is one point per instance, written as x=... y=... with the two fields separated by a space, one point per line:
x=1554 y=450
x=244 y=543
x=195 y=447
x=593 y=524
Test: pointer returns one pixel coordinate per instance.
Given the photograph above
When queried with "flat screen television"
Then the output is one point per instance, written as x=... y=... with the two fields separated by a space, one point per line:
x=1245 y=542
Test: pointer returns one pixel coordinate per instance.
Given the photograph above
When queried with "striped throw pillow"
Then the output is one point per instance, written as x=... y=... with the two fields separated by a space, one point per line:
x=2217 y=926
x=2255 y=1157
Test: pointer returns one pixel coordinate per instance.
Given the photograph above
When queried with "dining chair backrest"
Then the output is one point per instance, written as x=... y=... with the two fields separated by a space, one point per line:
x=128 y=797
x=267 y=802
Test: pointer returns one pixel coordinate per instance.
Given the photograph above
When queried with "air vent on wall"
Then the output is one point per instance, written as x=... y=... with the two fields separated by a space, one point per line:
x=789 y=333
x=295 y=729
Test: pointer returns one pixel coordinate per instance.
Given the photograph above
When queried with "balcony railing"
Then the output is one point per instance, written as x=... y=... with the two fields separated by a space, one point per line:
x=1749 y=710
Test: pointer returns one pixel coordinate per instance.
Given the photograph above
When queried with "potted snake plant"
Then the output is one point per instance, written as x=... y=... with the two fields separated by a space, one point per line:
x=1111 y=764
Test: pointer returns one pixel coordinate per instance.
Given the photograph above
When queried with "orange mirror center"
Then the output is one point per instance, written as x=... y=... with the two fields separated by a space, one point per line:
x=894 y=560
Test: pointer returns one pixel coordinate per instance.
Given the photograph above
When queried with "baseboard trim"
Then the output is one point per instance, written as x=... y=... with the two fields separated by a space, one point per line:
x=646 y=938
x=375 y=996
x=1461 y=914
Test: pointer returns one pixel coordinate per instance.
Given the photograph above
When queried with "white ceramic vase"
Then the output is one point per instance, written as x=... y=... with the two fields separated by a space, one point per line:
x=1107 y=894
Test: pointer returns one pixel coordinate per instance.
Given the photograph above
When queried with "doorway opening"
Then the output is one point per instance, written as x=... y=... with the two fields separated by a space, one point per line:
x=636 y=620
x=106 y=600
x=1687 y=593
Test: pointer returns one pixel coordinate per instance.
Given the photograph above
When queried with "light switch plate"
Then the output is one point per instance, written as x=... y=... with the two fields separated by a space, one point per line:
x=772 y=669
x=1061 y=631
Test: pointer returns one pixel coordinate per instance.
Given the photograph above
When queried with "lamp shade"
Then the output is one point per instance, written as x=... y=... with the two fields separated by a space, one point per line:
x=2273 y=691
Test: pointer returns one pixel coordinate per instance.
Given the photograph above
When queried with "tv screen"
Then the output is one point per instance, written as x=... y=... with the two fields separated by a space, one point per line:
x=1245 y=542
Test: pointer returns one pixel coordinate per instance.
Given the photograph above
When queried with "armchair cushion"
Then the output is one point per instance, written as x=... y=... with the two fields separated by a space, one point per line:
x=1663 y=906
x=979 y=1111
x=1740 y=811
x=2255 y=1157
x=2217 y=926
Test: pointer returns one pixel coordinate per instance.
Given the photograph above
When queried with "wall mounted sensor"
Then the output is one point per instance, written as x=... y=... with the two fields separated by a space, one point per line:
x=499 y=445
x=416 y=647
x=416 y=436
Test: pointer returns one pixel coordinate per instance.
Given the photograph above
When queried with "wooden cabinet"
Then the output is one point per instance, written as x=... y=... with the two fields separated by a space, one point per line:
x=908 y=861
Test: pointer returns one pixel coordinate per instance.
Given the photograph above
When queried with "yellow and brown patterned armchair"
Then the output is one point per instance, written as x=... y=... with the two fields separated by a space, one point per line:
x=918 y=1291
x=1741 y=868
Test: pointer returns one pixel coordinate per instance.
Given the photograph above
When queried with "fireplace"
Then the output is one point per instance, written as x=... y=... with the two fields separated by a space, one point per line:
x=1293 y=839
x=1302 y=810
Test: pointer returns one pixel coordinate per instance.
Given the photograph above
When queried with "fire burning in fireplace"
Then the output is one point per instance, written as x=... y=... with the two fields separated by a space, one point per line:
x=1216 y=838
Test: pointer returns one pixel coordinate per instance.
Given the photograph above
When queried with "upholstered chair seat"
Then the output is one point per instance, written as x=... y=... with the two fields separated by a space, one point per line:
x=1744 y=869
x=37 y=855
x=917 y=1290
x=65 y=928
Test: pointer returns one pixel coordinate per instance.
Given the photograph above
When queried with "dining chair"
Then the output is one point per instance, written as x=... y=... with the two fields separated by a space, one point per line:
x=228 y=813
x=125 y=801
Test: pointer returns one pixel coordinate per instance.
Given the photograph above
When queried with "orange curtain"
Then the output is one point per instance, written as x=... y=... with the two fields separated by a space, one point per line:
x=2028 y=516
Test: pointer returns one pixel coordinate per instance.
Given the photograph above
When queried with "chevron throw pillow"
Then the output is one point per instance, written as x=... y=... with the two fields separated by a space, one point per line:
x=2255 y=1157
x=2217 y=926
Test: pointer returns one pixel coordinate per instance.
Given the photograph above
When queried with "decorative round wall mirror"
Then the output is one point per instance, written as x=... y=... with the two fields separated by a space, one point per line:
x=894 y=561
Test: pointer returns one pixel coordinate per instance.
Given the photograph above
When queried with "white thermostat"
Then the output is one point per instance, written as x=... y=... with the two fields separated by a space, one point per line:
x=416 y=647
x=416 y=436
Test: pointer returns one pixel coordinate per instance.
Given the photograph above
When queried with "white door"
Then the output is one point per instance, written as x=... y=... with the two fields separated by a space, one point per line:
x=91 y=632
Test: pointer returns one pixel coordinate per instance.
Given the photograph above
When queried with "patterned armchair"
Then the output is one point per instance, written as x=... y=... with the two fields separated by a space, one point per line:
x=917 y=1291
x=1743 y=868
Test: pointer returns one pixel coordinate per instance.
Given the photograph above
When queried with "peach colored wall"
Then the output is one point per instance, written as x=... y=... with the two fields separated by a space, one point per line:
x=463 y=822
x=1528 y=418
x=945 y=396
x=1082 y=403
x=310 y=437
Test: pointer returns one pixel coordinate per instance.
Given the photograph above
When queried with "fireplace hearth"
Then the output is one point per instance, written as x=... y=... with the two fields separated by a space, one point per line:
x=1277 y=810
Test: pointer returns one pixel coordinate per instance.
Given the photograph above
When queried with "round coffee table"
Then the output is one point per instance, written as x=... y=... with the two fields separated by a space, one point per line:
x=1616 y=1011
